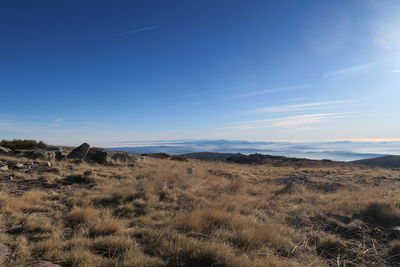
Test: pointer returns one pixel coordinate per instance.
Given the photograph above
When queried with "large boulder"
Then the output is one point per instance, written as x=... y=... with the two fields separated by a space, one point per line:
x=97 y=155
x=59 y=155
x=4 y=150
x=101 y=157
x=79 y=152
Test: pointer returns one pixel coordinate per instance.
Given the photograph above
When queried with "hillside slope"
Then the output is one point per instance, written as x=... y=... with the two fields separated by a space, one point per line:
x=384 y=162
x=211 y=155
x=162 y=212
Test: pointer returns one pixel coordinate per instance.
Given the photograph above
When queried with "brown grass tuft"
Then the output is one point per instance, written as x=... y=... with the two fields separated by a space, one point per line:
x=82 y=216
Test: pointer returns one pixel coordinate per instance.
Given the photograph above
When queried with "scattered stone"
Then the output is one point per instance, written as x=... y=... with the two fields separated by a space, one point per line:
x=4 y=168
x=4 y=150
x=189 y=170
x=47 y=164
x=43 y=154
x=19 y=166
x=79 y=152
x=4 y=251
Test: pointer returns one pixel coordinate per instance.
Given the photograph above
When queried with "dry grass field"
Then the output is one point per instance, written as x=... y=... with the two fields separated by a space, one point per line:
x=162 y=212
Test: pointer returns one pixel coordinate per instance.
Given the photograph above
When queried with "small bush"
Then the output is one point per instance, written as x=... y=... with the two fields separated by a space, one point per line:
x=22 y=144
x=158 y=155
x=179 y=158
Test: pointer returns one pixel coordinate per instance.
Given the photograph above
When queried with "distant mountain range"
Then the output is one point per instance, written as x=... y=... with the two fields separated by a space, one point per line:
x=211 y=155
x=338 y=151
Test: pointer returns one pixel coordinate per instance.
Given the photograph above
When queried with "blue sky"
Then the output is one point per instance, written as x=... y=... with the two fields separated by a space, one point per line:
x=109 y=71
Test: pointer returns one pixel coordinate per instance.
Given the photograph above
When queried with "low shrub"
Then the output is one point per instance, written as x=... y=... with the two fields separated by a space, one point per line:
x=179 y=158
x=22 y=144
x=158 y=155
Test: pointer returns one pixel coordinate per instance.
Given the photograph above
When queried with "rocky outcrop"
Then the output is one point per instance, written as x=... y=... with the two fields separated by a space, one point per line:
x=79 y=152
x=4 y=150
x=43 y=154
x=125 y=157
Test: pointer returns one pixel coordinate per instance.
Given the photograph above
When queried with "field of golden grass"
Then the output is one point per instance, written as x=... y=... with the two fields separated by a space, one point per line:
x=162 y=212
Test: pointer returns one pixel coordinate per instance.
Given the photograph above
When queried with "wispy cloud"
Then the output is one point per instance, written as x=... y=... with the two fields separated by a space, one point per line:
x=300 y=107
x=349 y=71
x=139 y=30
x=297 y=99
x=396 y=71
x=269 y=91
x=291 y=121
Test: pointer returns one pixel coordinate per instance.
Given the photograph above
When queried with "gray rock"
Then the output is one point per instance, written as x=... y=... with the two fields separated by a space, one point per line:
x=79 y=152
x=125 y=157
x=4 y=150
x=19 y=166
x=101 y=157
x=23 y=152
x=59 y=155
x=4 y=168
x=43 y=154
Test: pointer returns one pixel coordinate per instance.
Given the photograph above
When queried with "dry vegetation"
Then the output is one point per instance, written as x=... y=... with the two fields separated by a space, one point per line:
x=193 y=213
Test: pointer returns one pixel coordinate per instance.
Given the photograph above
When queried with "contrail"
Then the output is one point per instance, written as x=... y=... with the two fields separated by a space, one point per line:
x=139 y=30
